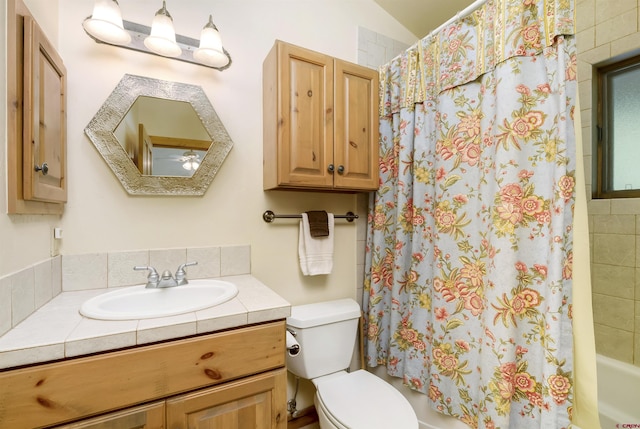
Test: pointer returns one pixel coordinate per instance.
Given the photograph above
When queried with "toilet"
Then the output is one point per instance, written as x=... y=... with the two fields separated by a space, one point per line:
x=326 y=333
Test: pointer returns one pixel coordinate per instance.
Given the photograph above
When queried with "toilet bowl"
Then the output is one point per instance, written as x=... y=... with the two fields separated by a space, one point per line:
x=361 y=400
x=326 y=334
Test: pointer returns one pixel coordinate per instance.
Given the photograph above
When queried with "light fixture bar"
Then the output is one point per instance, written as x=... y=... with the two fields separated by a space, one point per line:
x=140 y=32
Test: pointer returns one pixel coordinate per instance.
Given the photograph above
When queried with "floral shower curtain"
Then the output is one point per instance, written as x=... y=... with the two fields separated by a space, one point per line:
x=469 y=251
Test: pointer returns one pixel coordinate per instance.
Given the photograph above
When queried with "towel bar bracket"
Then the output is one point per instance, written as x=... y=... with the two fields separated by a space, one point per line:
x=269 y=216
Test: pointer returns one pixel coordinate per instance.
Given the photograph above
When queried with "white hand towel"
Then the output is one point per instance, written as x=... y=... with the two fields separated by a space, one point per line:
x=316 y=254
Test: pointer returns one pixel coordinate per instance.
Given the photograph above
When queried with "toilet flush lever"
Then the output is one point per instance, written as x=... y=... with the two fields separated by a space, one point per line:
x=292 y=345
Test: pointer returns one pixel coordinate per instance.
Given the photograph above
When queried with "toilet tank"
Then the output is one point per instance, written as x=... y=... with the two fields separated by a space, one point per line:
x=326 y=332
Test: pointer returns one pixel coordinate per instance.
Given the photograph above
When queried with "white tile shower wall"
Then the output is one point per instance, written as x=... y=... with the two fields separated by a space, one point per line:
x=375 y=49
x=115 y=269
x=25 y=291
x=609 y=30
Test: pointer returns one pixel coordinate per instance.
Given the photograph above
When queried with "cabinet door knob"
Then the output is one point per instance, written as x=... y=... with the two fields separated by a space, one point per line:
x=340 y=169
x=44 y=168
x=330 y=168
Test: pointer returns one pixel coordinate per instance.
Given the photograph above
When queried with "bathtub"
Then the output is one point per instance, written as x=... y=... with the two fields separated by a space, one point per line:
x=618 y=394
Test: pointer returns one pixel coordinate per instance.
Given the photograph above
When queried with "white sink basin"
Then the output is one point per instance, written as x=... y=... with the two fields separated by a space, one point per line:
x=138 y=302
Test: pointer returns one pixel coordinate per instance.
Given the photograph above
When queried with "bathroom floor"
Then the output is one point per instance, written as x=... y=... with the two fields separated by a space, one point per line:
x=308 y=421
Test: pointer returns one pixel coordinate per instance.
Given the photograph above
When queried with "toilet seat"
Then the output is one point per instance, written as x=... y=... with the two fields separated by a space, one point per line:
x=360 y=400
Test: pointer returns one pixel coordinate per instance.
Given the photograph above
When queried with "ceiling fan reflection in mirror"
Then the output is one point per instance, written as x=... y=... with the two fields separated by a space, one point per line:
x=190 y=160
x=176 y=162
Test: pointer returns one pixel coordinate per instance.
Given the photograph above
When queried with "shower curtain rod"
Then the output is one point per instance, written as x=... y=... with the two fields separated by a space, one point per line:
x=461 y=14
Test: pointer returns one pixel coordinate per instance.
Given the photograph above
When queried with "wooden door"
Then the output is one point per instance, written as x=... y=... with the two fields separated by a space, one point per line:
x=257 y=402
x=44 y=126
x=356 y=127
x=144 y=156
x=150 y=416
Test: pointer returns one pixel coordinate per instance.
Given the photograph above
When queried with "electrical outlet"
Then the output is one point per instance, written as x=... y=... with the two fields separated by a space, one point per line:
x=56 y=238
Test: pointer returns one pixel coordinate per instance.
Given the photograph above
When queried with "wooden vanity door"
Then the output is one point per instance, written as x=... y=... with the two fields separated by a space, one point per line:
x=257 y=402
x=150 y=416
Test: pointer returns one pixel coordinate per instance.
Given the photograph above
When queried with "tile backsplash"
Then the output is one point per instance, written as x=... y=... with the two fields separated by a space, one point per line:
x=23 y=292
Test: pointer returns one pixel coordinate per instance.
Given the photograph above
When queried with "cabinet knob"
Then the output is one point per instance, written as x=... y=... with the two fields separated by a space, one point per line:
x=340 y=169
x=44 y=168
x=330 y=168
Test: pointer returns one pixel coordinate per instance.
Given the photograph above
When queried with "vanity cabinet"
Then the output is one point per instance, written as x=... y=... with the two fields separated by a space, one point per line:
x=36 y=123
x=320 y=122
x=149 y=416
x=234 y=379
x=246 y=404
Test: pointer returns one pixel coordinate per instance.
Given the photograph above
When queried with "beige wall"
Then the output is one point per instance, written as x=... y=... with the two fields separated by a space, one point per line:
x=24 y=240
x=608 y=30
x=101 y=217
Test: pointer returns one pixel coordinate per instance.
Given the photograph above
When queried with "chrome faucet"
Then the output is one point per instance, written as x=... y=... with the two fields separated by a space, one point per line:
x=181 y=275
x=153 y=278
x=167 y=279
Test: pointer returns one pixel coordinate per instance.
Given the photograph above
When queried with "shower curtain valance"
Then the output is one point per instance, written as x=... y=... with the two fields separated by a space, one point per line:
x=471 y=46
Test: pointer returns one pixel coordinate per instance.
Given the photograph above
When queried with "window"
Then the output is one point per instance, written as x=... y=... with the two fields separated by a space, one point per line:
x=618 y=130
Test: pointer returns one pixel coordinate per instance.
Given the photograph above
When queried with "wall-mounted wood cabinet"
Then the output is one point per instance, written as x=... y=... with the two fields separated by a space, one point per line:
x=36 y=96
x=320 y=119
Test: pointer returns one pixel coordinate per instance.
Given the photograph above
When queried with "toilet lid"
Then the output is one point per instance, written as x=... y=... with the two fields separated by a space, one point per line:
x=360 y=400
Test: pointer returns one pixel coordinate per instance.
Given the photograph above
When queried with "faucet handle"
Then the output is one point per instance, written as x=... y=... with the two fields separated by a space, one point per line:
x=181 y=275
x=153 y=278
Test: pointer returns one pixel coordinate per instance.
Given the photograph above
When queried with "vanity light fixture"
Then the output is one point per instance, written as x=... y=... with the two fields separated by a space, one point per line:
x=162 y=39
x=210 y=50
x=106 y=25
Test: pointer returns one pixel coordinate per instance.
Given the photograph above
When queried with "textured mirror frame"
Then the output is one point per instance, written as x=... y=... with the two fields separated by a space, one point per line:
x=100 y=131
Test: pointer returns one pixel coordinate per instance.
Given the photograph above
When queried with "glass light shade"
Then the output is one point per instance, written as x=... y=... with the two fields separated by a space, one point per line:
x=162 y=39
x=105 y=23
x=210 y=52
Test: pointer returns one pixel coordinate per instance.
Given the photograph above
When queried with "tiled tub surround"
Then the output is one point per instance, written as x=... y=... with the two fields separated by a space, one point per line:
x=56 y=330
x=609 y=30
x=615 y=274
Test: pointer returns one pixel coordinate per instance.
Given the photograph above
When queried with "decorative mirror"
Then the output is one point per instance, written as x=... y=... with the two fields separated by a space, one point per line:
x=159 y=137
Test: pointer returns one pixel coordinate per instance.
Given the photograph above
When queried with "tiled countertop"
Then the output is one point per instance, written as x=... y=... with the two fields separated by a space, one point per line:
x=57 y=330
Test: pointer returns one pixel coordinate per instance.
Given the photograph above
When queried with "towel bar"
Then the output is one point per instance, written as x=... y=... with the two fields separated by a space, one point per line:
x=270 y=216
